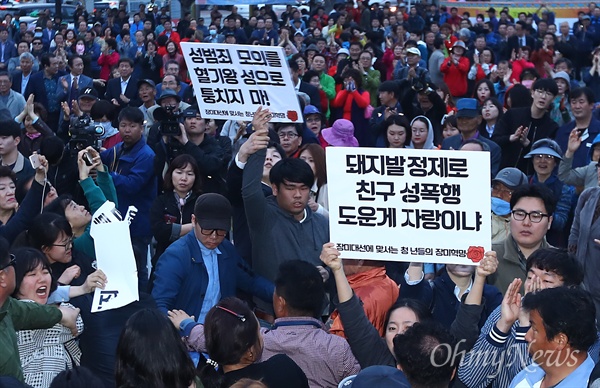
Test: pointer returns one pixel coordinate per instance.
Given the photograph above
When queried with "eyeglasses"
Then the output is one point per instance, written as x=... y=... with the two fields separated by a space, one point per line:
x=544 y=93
x=501 y=190
x=10 y=263
x=208 y=232
x=37 y=43
x=535 y=217
x=313 y=120
x=68 y=245
x=548 y=157
x=418 y=130
x=289 y=135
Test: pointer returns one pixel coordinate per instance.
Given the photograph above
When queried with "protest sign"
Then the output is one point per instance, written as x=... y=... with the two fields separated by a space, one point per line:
x=114 y=256
x=409 y=205
x=232 y=81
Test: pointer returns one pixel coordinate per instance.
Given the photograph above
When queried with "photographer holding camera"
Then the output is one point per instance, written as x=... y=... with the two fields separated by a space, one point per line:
x=211 y=155
x=429 y=104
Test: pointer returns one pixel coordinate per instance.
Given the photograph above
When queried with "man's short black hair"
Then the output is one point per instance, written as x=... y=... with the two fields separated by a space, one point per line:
x=546 y=84
x=291 y=170
x=535 y=191
x=293 y=66
x=425 y=352
x=566 y=310
x=10 y=128
x=585 y=92
x=301 y=285
x=128 y=60
x=132 y=114
x=558 y=261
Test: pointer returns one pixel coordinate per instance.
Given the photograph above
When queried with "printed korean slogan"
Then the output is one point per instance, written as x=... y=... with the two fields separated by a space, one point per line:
x=231 y=81
x=409 y=205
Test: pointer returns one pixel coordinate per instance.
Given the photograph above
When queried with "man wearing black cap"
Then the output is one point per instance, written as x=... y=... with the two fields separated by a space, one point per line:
x=202 y=267
x=468 y=119
x=493 y=20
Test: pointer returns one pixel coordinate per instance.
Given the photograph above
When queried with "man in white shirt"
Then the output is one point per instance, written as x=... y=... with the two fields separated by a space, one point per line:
x=563 y=327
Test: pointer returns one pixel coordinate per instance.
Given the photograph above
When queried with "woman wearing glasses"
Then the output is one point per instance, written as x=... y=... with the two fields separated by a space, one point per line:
x=545 y=155
x=422 y=134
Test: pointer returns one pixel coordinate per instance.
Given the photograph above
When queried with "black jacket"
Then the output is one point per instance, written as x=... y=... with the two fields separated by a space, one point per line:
x=513 y=152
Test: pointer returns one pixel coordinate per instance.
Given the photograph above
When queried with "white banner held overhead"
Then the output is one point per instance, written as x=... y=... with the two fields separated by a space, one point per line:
x=409 y=205
x=114 y=256
x=232 y=81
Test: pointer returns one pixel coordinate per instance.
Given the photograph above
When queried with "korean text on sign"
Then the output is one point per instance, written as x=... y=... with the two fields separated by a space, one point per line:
x=409 y=205
x=232 y=81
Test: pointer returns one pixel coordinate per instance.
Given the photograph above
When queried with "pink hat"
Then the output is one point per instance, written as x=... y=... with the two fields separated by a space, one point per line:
x=341 y=134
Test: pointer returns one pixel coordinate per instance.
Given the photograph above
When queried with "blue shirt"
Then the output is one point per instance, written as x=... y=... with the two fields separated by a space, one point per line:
x=532 y=375
x=213 y=291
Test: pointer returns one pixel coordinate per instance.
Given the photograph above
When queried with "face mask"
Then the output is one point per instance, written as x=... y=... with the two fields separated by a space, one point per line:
x=500 y=207
x=80 y=49
x=213 y=32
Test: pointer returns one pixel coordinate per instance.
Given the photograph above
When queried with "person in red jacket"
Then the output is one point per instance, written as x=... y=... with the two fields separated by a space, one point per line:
x=455 y=69
x=170 y=34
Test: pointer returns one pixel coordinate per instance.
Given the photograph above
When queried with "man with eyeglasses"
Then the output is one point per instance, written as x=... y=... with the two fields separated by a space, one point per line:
x=532 y=207
x=519 y=128
x=290 y=138
x=202 y=267
x=16 y=315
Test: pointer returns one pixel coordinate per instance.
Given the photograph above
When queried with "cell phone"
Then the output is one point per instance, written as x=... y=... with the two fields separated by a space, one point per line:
x=35 y=161
x=87 y=158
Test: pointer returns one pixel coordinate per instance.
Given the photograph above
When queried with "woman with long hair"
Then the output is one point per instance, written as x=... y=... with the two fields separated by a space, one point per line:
x=150 y=354
x=44 y=353
x=484 y=89
x=397 y=131
x=173 y=54
x=151 y=62
x=96 y=192
x=234 y=343
x=314 y=155
x=491 y=112
x=171 y=212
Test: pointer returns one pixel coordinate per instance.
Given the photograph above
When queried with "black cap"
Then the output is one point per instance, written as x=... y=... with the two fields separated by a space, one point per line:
x=169 y=93
x=192 y=111
x=147 y=82
x=213 y=211
x=90 y=93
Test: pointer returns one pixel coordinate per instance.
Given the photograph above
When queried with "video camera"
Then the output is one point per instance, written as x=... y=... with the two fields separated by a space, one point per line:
x=168 y=120
x=84 y=133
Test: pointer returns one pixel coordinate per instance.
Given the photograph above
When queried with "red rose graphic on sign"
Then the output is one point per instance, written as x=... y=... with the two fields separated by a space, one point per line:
x=292 y=115
x=475 y=254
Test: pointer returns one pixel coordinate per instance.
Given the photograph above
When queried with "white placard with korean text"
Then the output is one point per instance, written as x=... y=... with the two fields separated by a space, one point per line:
x=114 y=256
x=231 y=81
x=428 y=206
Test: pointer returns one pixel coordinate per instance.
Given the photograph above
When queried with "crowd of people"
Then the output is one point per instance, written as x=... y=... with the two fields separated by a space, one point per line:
x=239 y=284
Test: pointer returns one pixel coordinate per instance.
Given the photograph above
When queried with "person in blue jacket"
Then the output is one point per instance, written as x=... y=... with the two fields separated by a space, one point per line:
x=203 y=267
x=131 y=166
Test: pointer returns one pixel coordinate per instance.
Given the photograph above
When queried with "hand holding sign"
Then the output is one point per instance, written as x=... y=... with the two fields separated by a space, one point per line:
x=488 y=265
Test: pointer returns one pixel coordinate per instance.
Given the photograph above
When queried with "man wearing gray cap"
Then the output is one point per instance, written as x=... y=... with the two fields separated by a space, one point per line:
x=503 y=185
